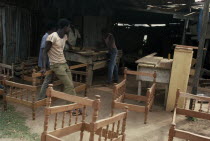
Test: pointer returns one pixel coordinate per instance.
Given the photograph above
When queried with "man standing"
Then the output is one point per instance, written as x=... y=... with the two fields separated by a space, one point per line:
x=109 y=40
x=48 y=79
x=54 y=49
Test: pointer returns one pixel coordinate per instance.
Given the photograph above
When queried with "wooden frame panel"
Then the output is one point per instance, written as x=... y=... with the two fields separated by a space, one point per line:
x=119 y=95
x=173 y=132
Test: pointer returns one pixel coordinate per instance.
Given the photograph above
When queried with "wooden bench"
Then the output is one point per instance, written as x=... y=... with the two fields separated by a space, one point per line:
x=119 y=95
x=7 y=70
x=108 y=128
x=198 y=111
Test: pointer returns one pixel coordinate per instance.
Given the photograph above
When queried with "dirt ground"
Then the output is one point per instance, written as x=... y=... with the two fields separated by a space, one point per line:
x=158 y=120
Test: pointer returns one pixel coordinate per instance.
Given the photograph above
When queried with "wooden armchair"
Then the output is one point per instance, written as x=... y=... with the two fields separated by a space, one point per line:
x=119 y=95
x=198 y=111
x=97 y=129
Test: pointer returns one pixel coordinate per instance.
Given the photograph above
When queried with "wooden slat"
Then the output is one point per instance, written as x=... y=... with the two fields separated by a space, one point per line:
x=190 y=136
x=119 y=99
x=5 y=66
x=67 y=130
x=30 y=79
x=107 y=121
x=79 y=72
x=23 y=86
x=119 y=138
x=62 y=108
x=78 y=66
x=204 y=98
x=80 y=88
x=120 y=84
x=72 y=98
x=16 y=100
x=193 y=113
x=131 y=107
x=139 y=73
x=135 y=97
x=103 y=133
x=52 y=138
x=40 y=103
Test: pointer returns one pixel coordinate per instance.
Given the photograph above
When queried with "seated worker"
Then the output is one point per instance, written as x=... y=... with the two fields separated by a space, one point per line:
x=51 y=27
x=54 y=49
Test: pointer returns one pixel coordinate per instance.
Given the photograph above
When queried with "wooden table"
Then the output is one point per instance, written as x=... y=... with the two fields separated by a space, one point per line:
x=152 y=63
x=94 y=60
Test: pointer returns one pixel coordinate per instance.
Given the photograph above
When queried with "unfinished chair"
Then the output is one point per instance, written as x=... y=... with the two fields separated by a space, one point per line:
x=119 y=95
x=112 y=128
x=21 y=94
x=200 y=109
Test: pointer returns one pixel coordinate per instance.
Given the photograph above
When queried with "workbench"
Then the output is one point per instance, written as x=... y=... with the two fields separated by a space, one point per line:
x=153 y=63
x=94 y=60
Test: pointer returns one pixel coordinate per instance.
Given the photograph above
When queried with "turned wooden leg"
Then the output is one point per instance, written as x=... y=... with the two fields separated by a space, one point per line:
x=171 y=133
x=146 y=115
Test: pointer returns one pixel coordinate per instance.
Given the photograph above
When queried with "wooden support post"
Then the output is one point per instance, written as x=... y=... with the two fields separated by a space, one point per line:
x=198 y=66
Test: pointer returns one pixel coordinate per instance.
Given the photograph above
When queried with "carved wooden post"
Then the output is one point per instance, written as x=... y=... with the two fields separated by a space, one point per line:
x=113 y=98
x=46 y=120
x=171 y=133
x=147 y=106
x=33 y=78
x=96 y=107
x=124 y=124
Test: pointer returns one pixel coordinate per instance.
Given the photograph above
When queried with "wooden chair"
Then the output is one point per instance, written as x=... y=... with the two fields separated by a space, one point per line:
x=97 y=129
x=6 y=70
x=119 y=95
x=198 y=111
x=22 y=94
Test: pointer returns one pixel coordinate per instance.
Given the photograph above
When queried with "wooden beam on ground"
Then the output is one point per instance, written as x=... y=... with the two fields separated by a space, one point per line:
x=198 y=66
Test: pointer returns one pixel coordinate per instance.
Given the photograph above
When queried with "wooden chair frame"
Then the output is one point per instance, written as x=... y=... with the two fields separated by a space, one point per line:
x=33 y=103
x=7 y=70
x=174 y=132
x=119 y=95
x=100 y=128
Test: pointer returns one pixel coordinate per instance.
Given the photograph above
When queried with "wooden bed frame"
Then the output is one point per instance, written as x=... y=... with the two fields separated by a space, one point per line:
x=197 y=111
x=119 y=95
x=32 y=101
x=108 y=128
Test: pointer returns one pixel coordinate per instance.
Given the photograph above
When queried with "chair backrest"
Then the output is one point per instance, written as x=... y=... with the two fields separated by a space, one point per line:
x=200 y=105
x=67 y=125
x=151 y=95
x=138 y=73
x=7 y=70
x=20 y=91
x=119 y=91
x=112 y=128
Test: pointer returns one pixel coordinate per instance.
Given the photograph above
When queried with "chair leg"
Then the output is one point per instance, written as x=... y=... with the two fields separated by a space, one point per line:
x=146 y=115
x=33 y=113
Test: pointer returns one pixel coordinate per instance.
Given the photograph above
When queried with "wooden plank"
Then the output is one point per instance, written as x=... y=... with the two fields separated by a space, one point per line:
x=139 y=73
x=52 y=138
x=107 y=121
x=190 y=136
x=6 y=66
x=131 y=107
x=135 y=97
x=16 y=100
x=78 y=66
x=72 y=98
x=117 y=86
x=67 y=130
x=191 y=113
x=80 y=88
x=119 y=138
x=40 y=103
x=99 y=65
x=23 y=86
x=179 y=78
x=63 y=108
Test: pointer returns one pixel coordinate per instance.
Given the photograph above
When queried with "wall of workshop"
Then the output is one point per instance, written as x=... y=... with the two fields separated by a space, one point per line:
x=15 y=34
